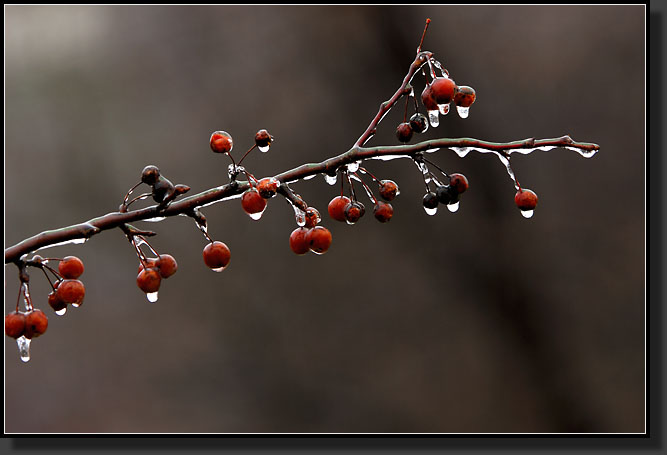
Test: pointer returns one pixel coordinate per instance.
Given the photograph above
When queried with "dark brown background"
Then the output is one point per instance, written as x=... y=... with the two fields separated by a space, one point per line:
x=479 y=321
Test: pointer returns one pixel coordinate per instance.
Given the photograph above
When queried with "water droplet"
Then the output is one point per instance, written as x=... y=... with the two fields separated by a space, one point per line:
x=308 y=177
x=443 y=108
x=156 y=219
x=24 y=348
x=264 y=149
x=331 y=179
x=433 y=118
x=453 y=207
x=432 y=211
x=152 y=297
x=300 y=216
x=219 y=269
x=461 y=151
x=527 y=213
x=463 y=111
x=353 y=167
x=61 y=312
x=66 y=242
x=584 y=153
x=76 y=305
x=258 y=215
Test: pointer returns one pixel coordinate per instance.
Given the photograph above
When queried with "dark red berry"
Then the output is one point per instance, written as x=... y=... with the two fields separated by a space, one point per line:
x=443 y=89
x=253 y=202
x=36 y=323
x=55 y=302
x=150 y=175
x=419 y=122
x=354 y=211
x=263 y=138
x=525 y=199
x=70 y=267
x=383 y=211
x=298 y=242
x=15 y=324
x=267 y=187
x=166 y=265
x=162 y=189
x=388 y=190
x=428 y=99
x=337 y=207
x=446 y=194
x=404 y=132
x=150 y=263
x=221 y=142
x=319 y=239
x=312 y=217
x=217 y=255
x=149 y=280
x=464 y=96
x=71 y=291
x=458 y=182
x=430 y=200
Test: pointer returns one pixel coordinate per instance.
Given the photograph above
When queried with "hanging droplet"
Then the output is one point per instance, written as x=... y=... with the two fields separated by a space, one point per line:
x=433 y=118
x=527 y=213
x=219 y=269
x=453 y=207
x=76 y=305
x=264 y=148
x=461 y=151
x=24 y=347
x=300 y=216
x=331 y=179
x=432 y=211
x=156 y=219
x=582 y=152
x=62 y=312
x=463 y=111
x=353 y=167
x=443 y=108
x=256 y=216
x=152 y=296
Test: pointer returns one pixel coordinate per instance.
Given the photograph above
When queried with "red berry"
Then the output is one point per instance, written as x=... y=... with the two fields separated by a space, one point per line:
x=404 y=132
x=70 y=267
x=263 y=138
x=319 y=239
x=15 y=324
x=337 y=207
x=419 y=123
x=458 y=182
x=217 y=256
x=388 y=190
x=354 y=211
x=443 y=89
x=166 y=265
x=149 y=280
x=312 y=217
x=464 y=96
x=428 y=99
x=221 y=142
x=150 y=175
x=253 y=202
x=151 y=263
x=383 y=211
x=267 y=187
x=71 y=291
x=55 y=302
x=525 y=199
x=36 y=323
x=298 y=242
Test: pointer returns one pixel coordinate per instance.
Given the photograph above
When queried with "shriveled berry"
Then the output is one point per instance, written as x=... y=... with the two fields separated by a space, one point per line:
x=383 y=211
x=430 y=200
x=15 y=324
x=217 y=255
x=36 y=323
x=419 y=122
x=464 y=96
x=337 y=206
x=263 y=138
x=525 y=199
x=221 y=142
x=388 y=190
x=166 y=265
x=70 y=267
x=404 y=132
x=150 y=175
x=319 y=239
x=252 y=201
x=446 y=194
x=55 y=302
x=71 y=291
x=354 y=211
x=312 y=217
x=443 y=89
x=298 y=242
x=458 y=182
x=162 y=189
x=149 y=280
x=268 y=187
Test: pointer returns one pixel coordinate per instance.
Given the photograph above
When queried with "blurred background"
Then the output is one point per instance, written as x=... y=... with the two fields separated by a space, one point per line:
x=477 y=321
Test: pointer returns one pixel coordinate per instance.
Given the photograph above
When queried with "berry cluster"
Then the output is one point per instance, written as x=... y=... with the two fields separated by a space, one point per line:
x=310 y=236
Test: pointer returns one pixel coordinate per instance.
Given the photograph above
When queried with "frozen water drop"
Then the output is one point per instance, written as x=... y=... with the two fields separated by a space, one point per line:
x=453 y=207
x=300 y=216
x=258 y=215
x=462 y=151
x=156 y=219
x=331 y=179
x=61 y=312
x=219 y=269
x=76 y=305
x=527 y=213
x=264 y=149
x=463 y=111
x=24 y=348
x=582 y=152
x=432 y=211
x=151 y=296
x=443 y=109
x=353 y=167
x=433 y=118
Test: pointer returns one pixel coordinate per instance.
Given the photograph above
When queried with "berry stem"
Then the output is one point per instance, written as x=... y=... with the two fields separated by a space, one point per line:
x=437 y=167
x=48 y=279
x=246 y=154
x=365 y=171
x=349 y=181
x=127 y=196
x=419 y=48
x=368 y=190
